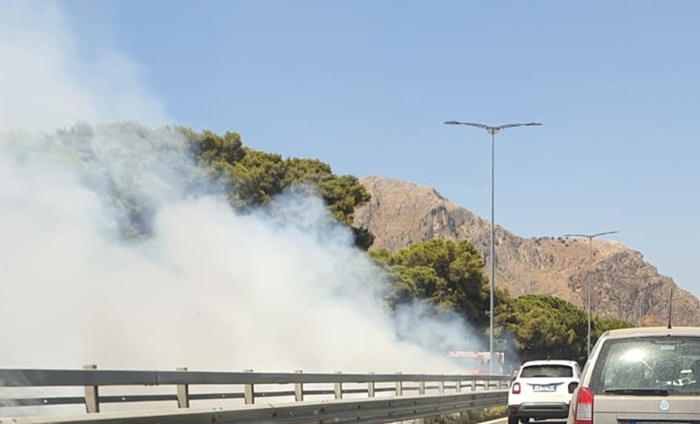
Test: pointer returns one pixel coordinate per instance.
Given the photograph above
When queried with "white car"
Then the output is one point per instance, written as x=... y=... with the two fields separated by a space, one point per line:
x=542 y=389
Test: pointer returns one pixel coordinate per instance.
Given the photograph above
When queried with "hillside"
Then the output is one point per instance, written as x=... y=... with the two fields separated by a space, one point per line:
x=624 y=285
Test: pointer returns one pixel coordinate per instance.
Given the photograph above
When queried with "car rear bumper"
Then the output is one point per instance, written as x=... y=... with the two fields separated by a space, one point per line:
x=539 y=410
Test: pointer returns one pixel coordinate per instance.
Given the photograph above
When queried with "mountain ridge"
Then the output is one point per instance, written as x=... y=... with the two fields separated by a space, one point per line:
x=624 y=285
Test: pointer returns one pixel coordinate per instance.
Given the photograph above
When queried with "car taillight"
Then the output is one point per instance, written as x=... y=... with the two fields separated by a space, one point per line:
x=515 y=389
x=583 y=414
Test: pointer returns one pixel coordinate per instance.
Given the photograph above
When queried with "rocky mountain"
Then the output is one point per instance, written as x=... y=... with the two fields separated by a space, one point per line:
x=624 y=285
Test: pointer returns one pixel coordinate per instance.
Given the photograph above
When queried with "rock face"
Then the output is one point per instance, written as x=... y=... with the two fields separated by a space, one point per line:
x=623 y=285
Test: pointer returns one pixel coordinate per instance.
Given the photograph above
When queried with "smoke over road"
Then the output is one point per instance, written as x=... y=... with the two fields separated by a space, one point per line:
x=275 y=290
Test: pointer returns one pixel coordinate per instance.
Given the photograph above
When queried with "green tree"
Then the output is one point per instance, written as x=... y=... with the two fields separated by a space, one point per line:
x=215 y=153
x=444 y=272
x=545 y=327
x=252 y=178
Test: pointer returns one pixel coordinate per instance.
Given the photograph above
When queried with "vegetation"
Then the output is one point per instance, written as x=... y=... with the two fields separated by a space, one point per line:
x=545 y=327
x=446 y=273
x=253 y=177
x=449 y=275
x=137 y=166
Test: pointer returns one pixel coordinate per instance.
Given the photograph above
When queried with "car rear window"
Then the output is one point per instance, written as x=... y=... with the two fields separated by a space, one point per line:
x=534 y=371
x=647 y=365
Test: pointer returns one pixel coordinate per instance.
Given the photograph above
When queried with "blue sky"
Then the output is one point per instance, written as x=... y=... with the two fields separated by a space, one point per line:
x=366 y=86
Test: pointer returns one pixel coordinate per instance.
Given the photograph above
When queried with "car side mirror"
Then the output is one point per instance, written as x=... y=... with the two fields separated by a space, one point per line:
x=572 y=386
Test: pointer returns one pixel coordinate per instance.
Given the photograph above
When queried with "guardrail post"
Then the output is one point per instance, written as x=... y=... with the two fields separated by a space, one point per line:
x=421 y=387
x=441 y=385
x=458 y=385
x=92 y=395
x=183 y=393
x=248 y=392
x=370 y=387
x=338 y=388
x=473 y=385
x=399 y=386
x=299 y=389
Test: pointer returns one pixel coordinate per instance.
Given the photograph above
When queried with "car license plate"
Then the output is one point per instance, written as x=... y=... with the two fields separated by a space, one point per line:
x=544 y=387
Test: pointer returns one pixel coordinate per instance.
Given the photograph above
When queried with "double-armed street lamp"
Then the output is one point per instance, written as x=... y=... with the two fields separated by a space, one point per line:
x=590 y=238
x=492 y=130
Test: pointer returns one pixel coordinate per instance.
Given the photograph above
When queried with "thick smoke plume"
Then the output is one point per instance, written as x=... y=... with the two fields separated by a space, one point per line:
x=113 y=252
x=279 y=289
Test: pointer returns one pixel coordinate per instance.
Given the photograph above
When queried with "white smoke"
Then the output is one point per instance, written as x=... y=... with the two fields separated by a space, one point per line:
x=282 y=288
x=274 y=290
x=49 y=80
x=433 y=330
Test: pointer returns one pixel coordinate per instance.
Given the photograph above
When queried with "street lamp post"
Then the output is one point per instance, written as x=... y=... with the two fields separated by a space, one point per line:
x=492 y=130
x=590 y=238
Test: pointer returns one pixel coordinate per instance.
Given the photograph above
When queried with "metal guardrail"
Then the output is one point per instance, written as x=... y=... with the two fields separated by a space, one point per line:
x=371 y=398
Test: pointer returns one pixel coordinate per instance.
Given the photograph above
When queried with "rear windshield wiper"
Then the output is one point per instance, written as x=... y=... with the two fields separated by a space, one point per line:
x=639 y=392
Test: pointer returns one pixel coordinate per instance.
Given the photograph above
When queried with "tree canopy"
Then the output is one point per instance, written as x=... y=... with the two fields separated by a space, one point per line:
x=449 y=275
x=446 y=273
x=544 y=327
x=253 y=177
